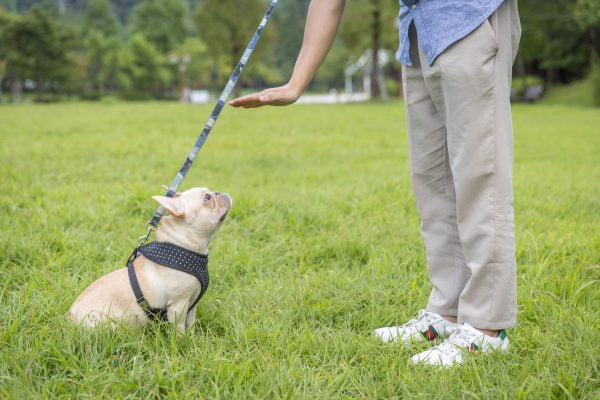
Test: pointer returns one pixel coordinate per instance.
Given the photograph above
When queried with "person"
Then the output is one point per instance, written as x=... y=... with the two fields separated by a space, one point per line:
x=456 y=61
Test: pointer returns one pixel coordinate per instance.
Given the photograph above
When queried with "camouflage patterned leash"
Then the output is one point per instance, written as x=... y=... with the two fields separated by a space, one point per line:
x=158 y=214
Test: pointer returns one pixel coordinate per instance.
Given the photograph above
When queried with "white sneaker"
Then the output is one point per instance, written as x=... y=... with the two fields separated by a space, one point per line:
x=428 y=326
x=465 y=338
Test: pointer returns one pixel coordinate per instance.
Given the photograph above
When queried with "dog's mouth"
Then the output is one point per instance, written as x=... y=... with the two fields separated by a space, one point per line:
x=223 y=216
x=224 y=201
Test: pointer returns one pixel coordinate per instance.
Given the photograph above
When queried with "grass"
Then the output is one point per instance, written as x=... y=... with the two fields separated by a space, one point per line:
x=580 y=93
x=321 y=247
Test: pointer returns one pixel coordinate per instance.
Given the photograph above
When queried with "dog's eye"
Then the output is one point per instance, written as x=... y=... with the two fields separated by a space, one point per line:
x=207 y=197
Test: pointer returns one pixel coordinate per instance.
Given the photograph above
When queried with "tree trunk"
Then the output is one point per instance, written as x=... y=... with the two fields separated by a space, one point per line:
x=551 y=77
x=375 y=46
x=16 y=88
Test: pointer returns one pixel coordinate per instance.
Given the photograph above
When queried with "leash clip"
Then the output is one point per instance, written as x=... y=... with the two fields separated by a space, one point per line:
x=143 y=239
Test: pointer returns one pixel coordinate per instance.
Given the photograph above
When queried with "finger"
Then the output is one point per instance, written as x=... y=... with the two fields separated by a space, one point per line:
x=248 y=101
x=245 y=100
x=263 y=101
x=251 y=98
x=254 y=98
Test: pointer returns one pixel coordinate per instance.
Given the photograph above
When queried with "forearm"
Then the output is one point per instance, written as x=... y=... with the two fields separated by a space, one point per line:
x=321 y=26
x=322 y=23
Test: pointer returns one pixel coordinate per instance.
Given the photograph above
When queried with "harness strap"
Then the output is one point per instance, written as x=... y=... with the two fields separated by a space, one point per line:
x=172 y=256
x=152 y=313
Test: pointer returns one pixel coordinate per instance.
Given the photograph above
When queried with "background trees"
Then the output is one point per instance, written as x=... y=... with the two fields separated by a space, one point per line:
x=227 y=25
x=97 y=47
x=100 y=17
x=37 y=52
x=587 y=15
x=143 y=70
x=100 y=34
x=164 y=23
x=371 y=25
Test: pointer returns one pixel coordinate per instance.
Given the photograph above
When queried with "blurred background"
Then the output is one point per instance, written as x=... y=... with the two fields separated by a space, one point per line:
x=60 y=50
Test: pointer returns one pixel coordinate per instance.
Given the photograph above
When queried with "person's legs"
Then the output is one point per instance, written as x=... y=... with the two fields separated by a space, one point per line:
x=460 y=143
x=433 y=188
x=470 y=86
x=436 y=202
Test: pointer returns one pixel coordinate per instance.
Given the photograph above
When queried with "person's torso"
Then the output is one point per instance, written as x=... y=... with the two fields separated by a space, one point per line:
x=440 y=23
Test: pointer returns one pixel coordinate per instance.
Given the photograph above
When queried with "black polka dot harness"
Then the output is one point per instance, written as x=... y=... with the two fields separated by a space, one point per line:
x=172 y=256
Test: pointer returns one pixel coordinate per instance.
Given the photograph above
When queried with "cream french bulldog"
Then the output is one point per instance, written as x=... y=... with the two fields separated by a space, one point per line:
x=194 y=217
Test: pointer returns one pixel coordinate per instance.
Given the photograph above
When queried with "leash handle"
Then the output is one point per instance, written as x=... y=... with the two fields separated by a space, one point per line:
x=158 y=214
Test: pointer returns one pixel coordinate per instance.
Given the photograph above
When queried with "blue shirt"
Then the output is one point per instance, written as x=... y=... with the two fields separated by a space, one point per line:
x=440 y=23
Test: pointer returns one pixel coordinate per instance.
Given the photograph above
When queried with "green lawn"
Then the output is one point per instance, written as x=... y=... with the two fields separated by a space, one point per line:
x=580 y=93
x=322 y=246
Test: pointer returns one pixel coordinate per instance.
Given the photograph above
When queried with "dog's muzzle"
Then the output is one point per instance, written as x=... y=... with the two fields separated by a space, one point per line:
x=224 y=201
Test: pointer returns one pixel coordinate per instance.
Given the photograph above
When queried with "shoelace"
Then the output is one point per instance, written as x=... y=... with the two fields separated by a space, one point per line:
x=461 y=338
x=422 y=322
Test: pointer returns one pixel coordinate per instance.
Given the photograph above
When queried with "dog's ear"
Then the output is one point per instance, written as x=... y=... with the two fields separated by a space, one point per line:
x=171 y=204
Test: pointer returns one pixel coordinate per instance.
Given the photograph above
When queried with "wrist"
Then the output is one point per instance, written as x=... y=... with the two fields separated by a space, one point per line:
x=296 y=87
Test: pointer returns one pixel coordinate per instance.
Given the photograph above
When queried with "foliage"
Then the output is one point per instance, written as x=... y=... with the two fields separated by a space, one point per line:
x=228 y=25
x=36 y=47
x=101 y=40
x=587 y=14
x=289 y=19
x=102 y=61
x=100 y=17
x=356 y=26
x=197 y=71
x=552 y=36
x=6 y=20
x=123 y=9
x=164 y=23
x=561 y=37
x=143 y=70
x=331 y=72
x=370 y=25
x=10 y=5
x=321 y=247
x=560 y=41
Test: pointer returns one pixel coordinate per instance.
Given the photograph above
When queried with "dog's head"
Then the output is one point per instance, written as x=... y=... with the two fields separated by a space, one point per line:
x=200 y=209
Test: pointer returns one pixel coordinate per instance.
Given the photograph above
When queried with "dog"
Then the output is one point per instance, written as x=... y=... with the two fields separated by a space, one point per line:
x=194 y=217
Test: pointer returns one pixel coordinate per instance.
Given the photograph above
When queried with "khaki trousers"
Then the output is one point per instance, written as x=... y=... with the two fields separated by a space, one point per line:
x=461 y=156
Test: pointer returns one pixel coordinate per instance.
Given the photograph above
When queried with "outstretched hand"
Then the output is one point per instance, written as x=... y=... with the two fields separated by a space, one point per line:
x=278 y=96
